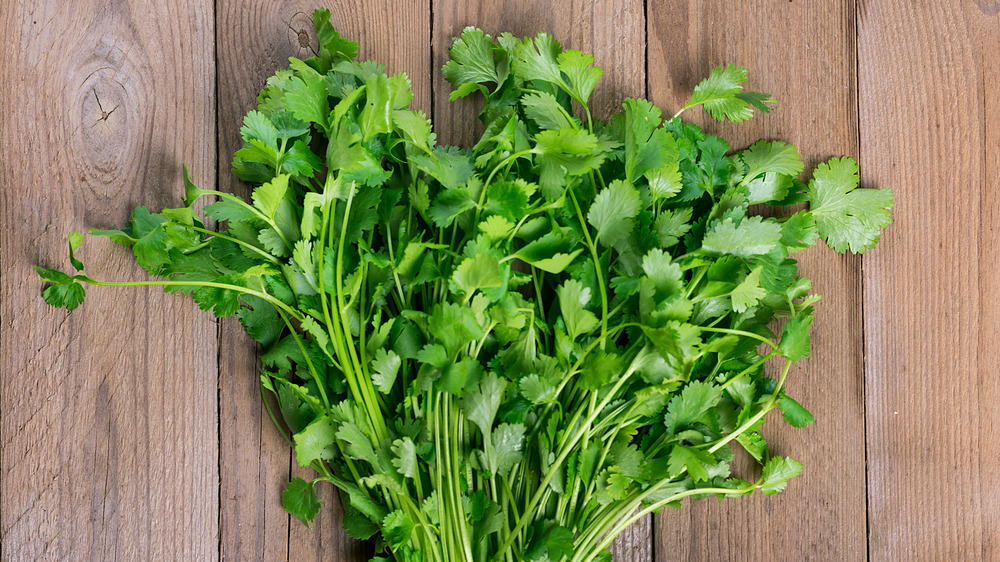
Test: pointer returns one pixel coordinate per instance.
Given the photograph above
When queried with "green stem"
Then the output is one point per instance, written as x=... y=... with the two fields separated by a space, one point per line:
x=597 y=266
x=236 y=288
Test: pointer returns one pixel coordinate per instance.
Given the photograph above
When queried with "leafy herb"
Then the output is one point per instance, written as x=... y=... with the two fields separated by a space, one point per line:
x=511 y=351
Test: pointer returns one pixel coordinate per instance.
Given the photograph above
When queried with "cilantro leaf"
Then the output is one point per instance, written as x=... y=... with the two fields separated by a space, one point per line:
x=848 y=218
x=777 y=472
x=573 y=298
x=315 y=441
x=64 y=291
x=794 y=413
x=795 y=336
x=748 y=292
x=300 y=500
x=614 y=211
x=720 y=94
x=754 y=236
x=385 y=367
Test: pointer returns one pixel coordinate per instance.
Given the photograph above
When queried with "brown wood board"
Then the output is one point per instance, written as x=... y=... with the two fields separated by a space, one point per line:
x=132 y=428
x=108 y=437
x=929 y=82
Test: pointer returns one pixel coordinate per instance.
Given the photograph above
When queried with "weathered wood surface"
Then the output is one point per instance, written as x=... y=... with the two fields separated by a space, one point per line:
x=140 y=434
x=929 y=127
x=108 y=438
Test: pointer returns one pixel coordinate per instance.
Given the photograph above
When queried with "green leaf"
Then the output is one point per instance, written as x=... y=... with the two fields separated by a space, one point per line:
x=356 y=444
x=848 y=218
x=537 y=390
x=583 y=76
x=777 y=472
x=720 y=94
x=385 y=367
x=300 y=160
x=565 y=153
x=749 y=292
x=376 y=117
x=507 y=442
x=693 y=460
x=671 y=225
x=691 y=405
x=256 y=126
x=798 y=232
x=795 y=336
x=536 y=60
x=396 y=529
x=480 y=404
x=300 y=500
x=471 y=62
x=75 y=241
x=450 y=166
x=307 y=99
x=405 y=460
x=267 y=197
x=315 y=442
x=329 y=40
x=545 y=110
x=261 y=321
x=753 y=236
x=479 y=272
x=226 y=210
x=613 y=213
x=770 y=156
x=65 y=291
x=549 y=541
x=573 y=299
x=794 y=413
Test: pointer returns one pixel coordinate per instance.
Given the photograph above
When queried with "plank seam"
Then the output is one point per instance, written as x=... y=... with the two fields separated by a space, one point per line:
x=218 y=322
x=861 y=282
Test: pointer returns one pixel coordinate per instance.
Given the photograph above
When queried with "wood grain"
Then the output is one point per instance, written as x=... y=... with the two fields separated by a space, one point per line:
x=108 y=438
x=132 y=428
x=929 y=128
x=804 y=55
x=256 y=38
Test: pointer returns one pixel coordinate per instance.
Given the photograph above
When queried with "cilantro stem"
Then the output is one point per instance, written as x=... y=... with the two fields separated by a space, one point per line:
x=597 y=266
x=235 y=288
x=250 y=247
x=270 y=222
x=739 y=333
x=750 y=423
x=566 y=449
x=482 y=194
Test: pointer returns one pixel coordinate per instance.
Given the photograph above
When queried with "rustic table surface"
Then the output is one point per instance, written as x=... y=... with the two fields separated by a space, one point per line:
x=132 y=428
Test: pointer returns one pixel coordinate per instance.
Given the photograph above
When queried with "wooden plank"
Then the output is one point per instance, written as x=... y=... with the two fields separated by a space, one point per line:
x=805 y=56
x=613 y=31
x=108 y=436
x=930 y=129
x=255 y=39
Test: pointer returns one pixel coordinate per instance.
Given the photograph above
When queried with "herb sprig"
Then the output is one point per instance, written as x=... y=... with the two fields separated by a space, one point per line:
x=511 y=351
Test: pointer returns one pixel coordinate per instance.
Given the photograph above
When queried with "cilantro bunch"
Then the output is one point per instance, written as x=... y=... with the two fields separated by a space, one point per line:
x=511 y=351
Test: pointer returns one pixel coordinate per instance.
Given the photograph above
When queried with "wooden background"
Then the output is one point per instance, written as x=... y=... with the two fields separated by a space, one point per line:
x=131 y=429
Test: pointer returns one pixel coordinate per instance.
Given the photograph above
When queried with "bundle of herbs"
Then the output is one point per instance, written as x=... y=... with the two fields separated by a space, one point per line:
x=513 y=351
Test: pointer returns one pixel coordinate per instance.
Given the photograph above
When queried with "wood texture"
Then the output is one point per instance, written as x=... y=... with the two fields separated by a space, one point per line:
x=929 y=128
x=804 y=55
x=108 y=437
x=133 y=429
